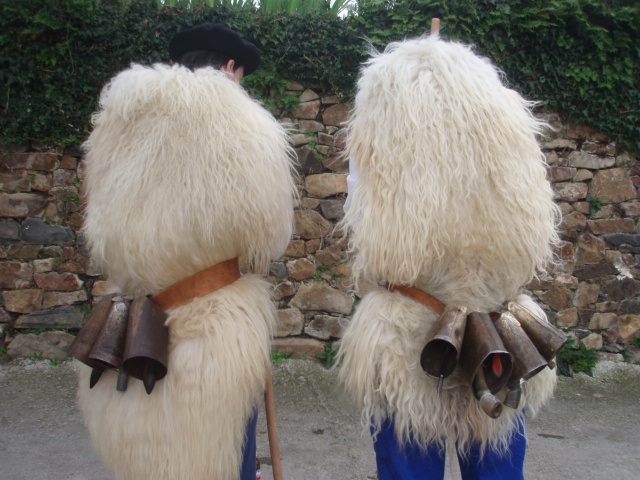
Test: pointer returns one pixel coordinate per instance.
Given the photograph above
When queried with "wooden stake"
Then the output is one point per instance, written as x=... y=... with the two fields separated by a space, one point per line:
x=272 y=428
x=435 y=27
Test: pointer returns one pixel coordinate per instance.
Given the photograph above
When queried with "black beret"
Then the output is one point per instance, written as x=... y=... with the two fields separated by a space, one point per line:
x=218 y=38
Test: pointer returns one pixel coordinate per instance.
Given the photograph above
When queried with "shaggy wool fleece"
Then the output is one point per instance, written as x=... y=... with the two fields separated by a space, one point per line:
x=452 y=199
x=192 y=425
x=380 y=368
x=184 y=171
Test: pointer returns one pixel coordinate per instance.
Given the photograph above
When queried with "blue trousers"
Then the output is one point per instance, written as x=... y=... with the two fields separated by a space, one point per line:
x=248 y=470
x=413 y=463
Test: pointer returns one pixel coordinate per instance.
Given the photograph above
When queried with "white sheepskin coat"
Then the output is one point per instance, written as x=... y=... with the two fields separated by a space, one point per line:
x=184 y=171
x=452 y=199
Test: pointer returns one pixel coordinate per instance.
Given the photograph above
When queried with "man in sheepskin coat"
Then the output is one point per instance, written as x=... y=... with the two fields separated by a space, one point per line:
x=188 y=177
x=450 y=203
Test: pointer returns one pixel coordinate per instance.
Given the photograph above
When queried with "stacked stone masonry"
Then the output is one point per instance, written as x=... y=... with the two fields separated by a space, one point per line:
x=592 y=291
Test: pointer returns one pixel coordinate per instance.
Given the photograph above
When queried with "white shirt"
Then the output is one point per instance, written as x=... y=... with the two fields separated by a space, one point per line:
x=352 y=180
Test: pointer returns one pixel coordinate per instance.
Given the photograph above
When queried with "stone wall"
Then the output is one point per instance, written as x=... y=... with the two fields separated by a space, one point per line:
x=593 y=290
x=48 y=283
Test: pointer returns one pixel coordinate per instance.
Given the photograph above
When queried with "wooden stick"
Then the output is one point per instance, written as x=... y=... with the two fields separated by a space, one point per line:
x=272 y=428
x=435 y=27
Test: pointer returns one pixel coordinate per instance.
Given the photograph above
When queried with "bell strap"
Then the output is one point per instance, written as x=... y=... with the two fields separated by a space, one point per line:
x=419 y=296
x=198 y=285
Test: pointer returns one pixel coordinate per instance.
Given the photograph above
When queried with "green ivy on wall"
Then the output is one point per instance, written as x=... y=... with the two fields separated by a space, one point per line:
x=581 y=57
x=268 y=86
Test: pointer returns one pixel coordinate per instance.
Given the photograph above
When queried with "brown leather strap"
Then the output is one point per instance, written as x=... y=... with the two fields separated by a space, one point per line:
x=198 y=285
x=419 y=296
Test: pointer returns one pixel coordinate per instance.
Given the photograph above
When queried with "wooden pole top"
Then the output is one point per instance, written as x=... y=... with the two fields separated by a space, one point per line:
x=435 y=27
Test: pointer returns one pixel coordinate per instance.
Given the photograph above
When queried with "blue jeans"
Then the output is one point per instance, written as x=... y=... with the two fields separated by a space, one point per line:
x=413 y=463
x=248 y=470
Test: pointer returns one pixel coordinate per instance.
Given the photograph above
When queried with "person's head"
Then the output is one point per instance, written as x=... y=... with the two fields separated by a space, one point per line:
x=215 y=45
x=194 y=59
